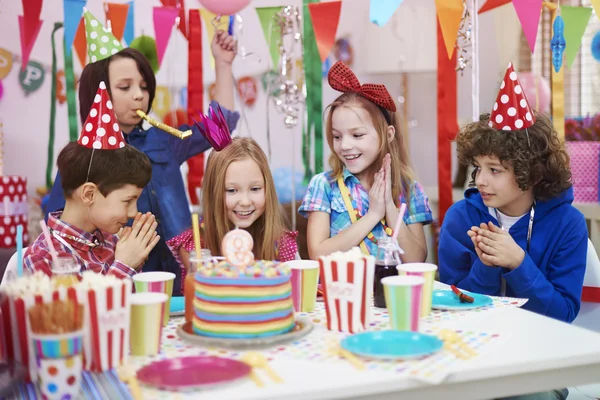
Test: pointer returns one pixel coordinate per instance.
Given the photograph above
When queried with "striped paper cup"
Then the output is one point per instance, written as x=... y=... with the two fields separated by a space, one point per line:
x=305 y=276
x=403 y=299
x=147 y=311
x=156 y=282
x=427 y=271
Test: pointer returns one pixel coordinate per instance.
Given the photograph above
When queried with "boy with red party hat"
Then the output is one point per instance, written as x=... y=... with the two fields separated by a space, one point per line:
x=102 y=178
x=516 y=232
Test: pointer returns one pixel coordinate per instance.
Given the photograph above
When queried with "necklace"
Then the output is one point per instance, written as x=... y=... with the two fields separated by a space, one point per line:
x=529 y=227
x=86 y=242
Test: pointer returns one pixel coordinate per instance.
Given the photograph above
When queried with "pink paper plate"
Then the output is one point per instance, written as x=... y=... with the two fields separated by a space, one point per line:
x=185 y=373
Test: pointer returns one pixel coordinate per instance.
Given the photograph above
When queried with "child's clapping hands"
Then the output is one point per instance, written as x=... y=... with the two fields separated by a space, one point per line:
x=495 y=246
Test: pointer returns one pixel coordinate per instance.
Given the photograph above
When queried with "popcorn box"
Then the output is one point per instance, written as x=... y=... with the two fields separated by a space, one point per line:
x=105 y=324
x=13 y=209
x=347 y=280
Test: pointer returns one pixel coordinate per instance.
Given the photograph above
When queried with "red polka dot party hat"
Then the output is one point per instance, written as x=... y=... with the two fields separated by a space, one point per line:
x=511 y=110
x=101 y=130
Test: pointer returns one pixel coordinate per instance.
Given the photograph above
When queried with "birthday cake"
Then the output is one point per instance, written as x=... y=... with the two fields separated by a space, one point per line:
x=243 y=298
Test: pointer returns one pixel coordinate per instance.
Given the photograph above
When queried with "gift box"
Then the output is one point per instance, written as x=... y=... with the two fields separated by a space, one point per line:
x=347 y=282
x=13 y=209
x=584 y=169
x=105 y=325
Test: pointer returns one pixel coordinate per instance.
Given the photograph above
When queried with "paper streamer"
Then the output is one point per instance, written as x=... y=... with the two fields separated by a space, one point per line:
x=73 y=116
x=53 y=100
x=447 y=124
x=195 y=99
x=475 y=59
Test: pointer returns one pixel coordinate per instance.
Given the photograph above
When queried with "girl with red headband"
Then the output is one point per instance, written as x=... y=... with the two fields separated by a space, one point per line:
x=355 y=203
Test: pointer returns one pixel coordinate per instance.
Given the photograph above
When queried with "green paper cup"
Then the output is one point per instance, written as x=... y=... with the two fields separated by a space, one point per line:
x=304 y=278
x=147 y=310
x=403 y=301
x=156 y=282
x=426 y=271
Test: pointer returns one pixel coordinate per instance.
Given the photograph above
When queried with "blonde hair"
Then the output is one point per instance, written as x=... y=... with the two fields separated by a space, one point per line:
x=268 y=228
x=401 y=166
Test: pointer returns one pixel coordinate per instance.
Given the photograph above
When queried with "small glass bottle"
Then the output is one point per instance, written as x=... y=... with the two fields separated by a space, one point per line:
x=189 y=284
x=388 y=258
x=65 y=271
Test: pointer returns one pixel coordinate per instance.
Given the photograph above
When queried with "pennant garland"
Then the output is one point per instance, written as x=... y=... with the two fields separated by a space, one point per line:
x=28 y=31
x=325 y=18
x=116 y=14
x=80 y=43
x=529 y=12
x=381 y=11
x=576 y=20
x=179 y=5
x=596 y=6
x=491 y=4
x=164 y=19
x=6 y=61
x=266 y=15
x=101 y=131
x=195 y=99
x=511 y=111
x=130 y=24
x=449 y=14
x=101 y=42
x=72 y=10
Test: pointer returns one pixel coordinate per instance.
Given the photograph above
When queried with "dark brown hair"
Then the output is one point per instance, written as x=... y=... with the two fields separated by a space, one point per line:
x=94 y=73
x=543 y=164
x=110 y=169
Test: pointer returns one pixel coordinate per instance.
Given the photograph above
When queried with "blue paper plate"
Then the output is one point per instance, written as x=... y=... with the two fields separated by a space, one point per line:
x=447 y=300
x=391 y=345
x=177 y=306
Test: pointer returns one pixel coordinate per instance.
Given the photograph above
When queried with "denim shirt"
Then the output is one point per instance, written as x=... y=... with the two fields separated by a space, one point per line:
x=165 y=194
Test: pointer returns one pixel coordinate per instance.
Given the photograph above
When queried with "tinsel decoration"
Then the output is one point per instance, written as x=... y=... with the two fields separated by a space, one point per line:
x=463 y=41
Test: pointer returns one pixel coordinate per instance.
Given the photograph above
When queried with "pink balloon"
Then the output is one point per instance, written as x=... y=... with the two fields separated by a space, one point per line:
x=537 y=91
x=224 y=7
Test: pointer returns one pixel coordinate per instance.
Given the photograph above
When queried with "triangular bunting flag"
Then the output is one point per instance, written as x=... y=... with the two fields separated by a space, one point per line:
x=576 y=20
x=27 y=42
x=80 y=43
x=179 y=4
x=116 y=14
x=101 y=131
x=596 y=5
x=325 y=18
x=529 y=12
x=491 y=4
x=100 y=40
x=450 y=14
x=381 y=11
x=511 y=111
x=129 y=32
x=270 y=30
x=31 y=15
x=72 y=10
x=164 y=19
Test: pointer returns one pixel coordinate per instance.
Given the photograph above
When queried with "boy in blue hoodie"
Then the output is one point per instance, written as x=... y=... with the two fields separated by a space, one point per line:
x=516 y=233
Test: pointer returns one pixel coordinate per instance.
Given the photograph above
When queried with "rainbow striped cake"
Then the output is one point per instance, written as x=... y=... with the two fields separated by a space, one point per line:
x=250 y=302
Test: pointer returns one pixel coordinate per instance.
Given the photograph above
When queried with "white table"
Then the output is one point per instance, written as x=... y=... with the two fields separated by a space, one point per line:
x=537 y=354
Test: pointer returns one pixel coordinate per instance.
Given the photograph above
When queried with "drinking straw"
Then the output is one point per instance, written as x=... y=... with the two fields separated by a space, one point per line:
x=196 y=229
x=399 y=221
x=49 y=241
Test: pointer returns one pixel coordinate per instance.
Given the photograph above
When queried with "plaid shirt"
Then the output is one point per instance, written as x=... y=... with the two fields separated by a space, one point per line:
x=100 y=259
x=324 y=194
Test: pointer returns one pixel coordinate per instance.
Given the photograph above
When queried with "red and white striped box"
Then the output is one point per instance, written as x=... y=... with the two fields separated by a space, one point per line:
x=105 y=325
x=13 y=210
x=347 y=281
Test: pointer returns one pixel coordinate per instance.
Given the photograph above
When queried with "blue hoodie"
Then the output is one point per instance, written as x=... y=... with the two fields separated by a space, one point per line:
x=551 y=275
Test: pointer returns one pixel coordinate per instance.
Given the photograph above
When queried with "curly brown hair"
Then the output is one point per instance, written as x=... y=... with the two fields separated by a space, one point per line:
x=540 y=162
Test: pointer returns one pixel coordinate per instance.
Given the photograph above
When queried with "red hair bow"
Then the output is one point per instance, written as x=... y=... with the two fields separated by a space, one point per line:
x=342 y=79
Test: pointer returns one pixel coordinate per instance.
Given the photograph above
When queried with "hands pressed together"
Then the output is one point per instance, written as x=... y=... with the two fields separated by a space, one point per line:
x=136 y=241
x=495 y=246
x=380 y=195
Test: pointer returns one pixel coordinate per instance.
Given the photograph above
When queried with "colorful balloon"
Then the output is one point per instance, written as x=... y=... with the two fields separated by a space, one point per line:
x=537 y=91
x=222 y=7
x=558 y=43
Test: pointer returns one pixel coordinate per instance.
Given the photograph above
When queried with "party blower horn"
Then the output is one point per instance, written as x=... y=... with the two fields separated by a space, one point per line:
x=214 y=128
x=169 y=129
